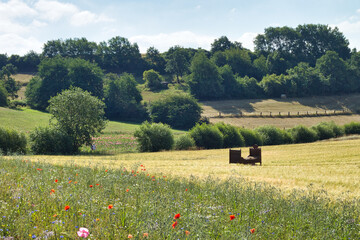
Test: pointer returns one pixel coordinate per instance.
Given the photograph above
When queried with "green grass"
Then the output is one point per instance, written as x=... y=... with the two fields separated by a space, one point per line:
x=33 y=206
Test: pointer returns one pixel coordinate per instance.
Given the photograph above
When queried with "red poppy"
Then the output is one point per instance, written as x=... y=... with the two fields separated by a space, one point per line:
x=186 y=190
x=127 y=190
x=177 y=216
x=70 y=181
x=97 y=184
x=232 y=217
x=67 y=207
x=56 y=180
x=252 y=230
x=91 y=186
x=39 y=169
x=53 y=190
x=174 y=224
x=110 y=206
x=106 y=170
x=187 y=232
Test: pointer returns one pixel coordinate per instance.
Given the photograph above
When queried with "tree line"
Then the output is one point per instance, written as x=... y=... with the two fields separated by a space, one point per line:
x=311 y=59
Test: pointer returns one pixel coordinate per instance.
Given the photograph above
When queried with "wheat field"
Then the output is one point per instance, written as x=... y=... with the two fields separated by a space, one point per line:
x=333 y=166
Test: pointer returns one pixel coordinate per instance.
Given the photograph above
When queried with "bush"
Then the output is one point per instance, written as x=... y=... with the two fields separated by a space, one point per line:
x=179 y=110
x=352 y=128
x=324 y=130
x=302 y=134
x=184 y=142
x=251 y=137
x=152 y=79
x=154 y=137
x=288 y=139
x=12 y=141
x=46 y=140
x=17 y=104
x=3 y=96
x=207 y=136
x=271 y=135
x=231 y=134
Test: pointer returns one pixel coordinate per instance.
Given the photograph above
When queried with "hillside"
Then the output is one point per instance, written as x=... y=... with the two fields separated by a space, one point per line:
x=302 y=106
x=27 y=119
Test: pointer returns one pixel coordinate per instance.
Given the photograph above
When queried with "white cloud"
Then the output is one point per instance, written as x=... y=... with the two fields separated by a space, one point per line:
x=247 y=40
x=16 y=44
x=351 y=30
x=15 y=9
x=53 y=10
x=85 y=17
x=164 y=41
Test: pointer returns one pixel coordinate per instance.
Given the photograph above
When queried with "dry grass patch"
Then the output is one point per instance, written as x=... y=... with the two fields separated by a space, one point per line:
x=253 y=122
x=294 y=105
x=330 y=165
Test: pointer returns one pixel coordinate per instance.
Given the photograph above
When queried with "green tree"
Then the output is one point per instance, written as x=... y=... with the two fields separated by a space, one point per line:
x=223 y=43
x=274 y=85
x=336 y=72
x=177 y=62
x=155 y=60
x=122 y=98
x=9 y=82
x=179 y=110
x=205 y=80
x=152 y=79
x=3 y=96
x=78 y=114
x=57 y=74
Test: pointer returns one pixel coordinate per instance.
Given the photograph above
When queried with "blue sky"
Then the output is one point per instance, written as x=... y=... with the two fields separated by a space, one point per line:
x=27 y=24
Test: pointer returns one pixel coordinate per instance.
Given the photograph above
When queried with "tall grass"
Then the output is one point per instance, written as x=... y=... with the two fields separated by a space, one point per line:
x=114 y=204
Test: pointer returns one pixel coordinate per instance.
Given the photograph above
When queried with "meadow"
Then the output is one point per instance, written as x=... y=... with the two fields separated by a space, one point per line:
x=47 y=201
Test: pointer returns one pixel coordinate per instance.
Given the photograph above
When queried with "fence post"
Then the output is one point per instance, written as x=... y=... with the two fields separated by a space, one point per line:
x=270 y=114
x=289 y=114
x=260 y=114
x=219 y=114
x=279 y=113
x=298 y=113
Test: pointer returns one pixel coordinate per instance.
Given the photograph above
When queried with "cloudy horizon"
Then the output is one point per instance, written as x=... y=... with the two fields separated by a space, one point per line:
x=27 y=25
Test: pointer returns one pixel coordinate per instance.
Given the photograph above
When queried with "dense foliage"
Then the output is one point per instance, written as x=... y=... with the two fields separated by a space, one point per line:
x=178 y=110
x=78 y=114
x=154 y=137
x=207 y=136
x=12 y=141
x=58 y=74
x=122 y=98
x=184 y=142
x=46 y=140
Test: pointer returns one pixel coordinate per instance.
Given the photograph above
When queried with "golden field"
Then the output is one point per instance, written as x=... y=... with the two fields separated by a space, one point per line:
x=332 y=165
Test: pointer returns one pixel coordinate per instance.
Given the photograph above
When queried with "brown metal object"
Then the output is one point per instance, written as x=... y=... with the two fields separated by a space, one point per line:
x=254 y=156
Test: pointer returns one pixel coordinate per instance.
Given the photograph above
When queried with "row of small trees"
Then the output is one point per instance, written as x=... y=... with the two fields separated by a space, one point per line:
x=156 y=137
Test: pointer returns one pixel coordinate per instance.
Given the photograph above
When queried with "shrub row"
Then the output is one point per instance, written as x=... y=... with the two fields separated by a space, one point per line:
x=221 y=135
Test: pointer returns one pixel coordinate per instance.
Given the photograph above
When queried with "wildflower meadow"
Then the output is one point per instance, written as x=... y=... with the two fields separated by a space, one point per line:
x=44 y=201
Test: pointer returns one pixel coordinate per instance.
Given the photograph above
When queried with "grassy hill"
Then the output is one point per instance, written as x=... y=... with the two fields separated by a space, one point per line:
x=27 y=119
